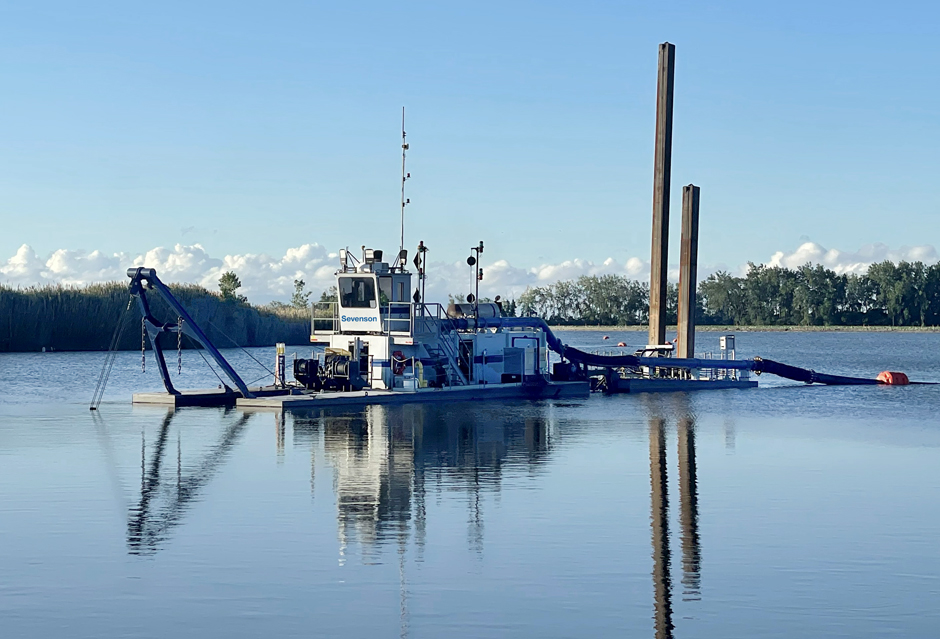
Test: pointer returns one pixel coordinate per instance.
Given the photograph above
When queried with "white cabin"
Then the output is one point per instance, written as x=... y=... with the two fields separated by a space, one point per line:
x=400 y=342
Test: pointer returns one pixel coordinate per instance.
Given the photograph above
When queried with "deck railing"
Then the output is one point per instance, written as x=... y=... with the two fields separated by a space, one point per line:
x=324 y=318
x=397 y=318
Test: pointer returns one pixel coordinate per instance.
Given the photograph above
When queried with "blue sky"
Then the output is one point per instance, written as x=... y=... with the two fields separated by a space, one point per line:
x=253 y=128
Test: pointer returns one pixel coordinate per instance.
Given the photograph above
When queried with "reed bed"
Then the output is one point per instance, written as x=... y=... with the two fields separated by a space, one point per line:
x=66 y=318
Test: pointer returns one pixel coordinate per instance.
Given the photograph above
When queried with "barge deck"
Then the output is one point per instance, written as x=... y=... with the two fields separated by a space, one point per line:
x=281 y=401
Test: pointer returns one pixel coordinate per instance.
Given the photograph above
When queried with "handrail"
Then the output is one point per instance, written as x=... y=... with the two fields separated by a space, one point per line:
x=454 y=359
x=324 y=317
x=453 y=355
x=398 y=325
x=397 y=318
x=449 y=321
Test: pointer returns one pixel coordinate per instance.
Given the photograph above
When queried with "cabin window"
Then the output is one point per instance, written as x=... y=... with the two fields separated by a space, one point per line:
x=357 y=292
x=401 y=291
x=385 y=290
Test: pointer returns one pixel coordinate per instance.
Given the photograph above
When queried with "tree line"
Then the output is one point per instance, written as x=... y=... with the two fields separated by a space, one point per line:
x=888 y=294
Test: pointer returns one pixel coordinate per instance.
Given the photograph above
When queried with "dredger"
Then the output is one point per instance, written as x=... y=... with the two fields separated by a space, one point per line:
x=383 y=342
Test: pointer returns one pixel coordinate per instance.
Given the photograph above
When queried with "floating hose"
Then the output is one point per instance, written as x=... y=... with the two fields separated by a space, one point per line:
x=806 y=375
x=893 y=379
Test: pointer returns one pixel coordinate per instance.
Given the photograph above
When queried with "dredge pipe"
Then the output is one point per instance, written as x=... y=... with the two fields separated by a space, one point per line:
x=554 y=343
x=758 y=364
x=761 y=365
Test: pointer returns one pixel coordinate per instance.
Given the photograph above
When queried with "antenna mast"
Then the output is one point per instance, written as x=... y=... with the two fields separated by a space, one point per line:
x=404 y=177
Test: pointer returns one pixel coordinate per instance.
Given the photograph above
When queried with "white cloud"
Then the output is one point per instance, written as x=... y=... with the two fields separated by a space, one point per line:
x=263 y=278
x=266 y=278
x=857 y=262
x=24 y=268
x=64 y=266
x=502 y=278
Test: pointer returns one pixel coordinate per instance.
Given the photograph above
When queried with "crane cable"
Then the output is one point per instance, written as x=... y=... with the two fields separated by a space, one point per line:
x=110 y=357
x=241 y=348
x=196 y=348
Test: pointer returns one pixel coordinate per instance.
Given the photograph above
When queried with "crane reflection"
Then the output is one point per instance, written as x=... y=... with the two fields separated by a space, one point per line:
x=163 y=502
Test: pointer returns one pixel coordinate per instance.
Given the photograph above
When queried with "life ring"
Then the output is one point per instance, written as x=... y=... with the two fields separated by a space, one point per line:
x=398 y=363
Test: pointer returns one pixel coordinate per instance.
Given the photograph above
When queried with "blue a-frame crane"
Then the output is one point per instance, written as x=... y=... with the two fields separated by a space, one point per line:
x=144 y=280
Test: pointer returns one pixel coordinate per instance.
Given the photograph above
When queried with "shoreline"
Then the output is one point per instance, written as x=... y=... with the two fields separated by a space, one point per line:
x=627 y=329
x=763 y=329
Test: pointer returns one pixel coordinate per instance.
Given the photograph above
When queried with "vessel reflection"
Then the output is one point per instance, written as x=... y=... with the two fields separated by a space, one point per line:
x=383 y=459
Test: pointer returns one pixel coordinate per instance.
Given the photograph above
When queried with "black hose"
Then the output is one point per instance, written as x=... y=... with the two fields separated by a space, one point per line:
x=807 y=376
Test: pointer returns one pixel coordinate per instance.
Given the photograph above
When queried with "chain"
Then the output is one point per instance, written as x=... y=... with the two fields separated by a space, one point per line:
x=143 y=345
x=179 y=345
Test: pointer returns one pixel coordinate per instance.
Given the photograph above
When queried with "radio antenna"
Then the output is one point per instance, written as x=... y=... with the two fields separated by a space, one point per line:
x=404 y=178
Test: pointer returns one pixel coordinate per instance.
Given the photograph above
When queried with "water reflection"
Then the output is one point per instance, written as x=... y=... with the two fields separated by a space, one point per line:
x=384 y=458
x=384 y=462
x=688 y=511
x=163 y=503
x=659 y=513
x=659 y=522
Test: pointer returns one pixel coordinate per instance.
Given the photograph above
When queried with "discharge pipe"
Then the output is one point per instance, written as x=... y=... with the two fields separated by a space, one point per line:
x=757 y=365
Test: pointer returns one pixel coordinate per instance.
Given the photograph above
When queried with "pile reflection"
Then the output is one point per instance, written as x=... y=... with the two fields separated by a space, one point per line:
x=659 y=512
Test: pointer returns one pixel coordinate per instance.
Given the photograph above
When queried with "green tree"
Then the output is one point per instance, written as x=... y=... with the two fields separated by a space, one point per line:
x=300 y=299
x=932 y=295
x=329 y=295
x=672 y=303
x=228 y=285
x=861 y=307
x=889 y=290
x=528 y=303
x=768 y=295
x=819 y=296
x=724 y=298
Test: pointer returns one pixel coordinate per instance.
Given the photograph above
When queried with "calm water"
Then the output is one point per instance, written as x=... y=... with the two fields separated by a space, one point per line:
x=778 y=512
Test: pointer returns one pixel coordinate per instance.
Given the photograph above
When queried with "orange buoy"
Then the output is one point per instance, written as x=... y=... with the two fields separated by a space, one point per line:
x=621 y=345
x=606 y=336
x=893 y=379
